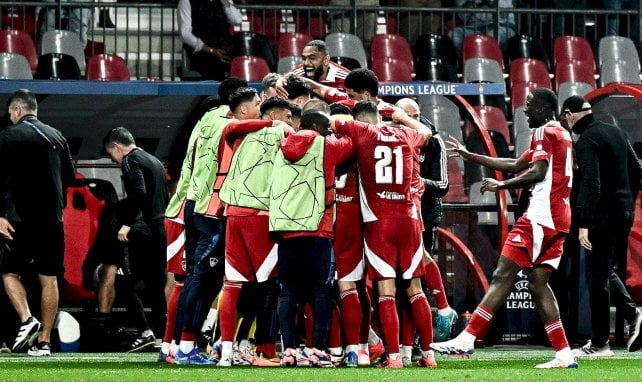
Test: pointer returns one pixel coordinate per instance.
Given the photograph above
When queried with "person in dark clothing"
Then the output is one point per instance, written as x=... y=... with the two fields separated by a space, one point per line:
x=145 y=183
x=204 y=27
x=36 y=169
x=610 y=178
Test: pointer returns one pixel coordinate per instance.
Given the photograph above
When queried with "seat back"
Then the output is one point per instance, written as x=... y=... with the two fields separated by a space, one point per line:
x=66 y=42
x=620 y=71
x=494 y=120
x=391 y=46
x=292 y=44
x=483 y=70
x=523 y=133
x=529 y=70
x=107 y=67
x=456 y=189
x=574 y=71
x=18 y=41
x=567 y=48
x=482 y=46
x=613 y=48
x=57 y=66
x=252 y=44
x=346 y=62
x=287 y=63
x=522 y=46
x=567 y=89
x=14 y=66
x=429 y=46
x=392 y=70
x=519 y=92
x=477 y=197
x=250 y=68
x=347 y=45
x=445 y=118
x=18 y=20
x=436 y=70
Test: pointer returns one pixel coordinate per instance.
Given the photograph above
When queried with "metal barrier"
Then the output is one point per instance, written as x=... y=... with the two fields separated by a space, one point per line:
x=146 y=34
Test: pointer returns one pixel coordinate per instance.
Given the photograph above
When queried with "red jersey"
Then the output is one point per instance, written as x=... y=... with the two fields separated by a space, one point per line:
x=336 y=95
x=335 y=78
x=346 y=183
x=550 y=200
x=385 y=158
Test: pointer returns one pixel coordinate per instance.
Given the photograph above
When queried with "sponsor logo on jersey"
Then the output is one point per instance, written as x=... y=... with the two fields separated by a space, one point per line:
x=344 y=198
x=391 y=195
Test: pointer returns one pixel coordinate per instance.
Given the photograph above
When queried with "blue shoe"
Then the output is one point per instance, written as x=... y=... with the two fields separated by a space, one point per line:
x=444 y=326
x=162 y=357
x=194 y=357
x=350 y=360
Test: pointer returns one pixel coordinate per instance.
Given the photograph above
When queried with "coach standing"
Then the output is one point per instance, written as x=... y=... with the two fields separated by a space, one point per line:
x=610 y=178
x=36 y=168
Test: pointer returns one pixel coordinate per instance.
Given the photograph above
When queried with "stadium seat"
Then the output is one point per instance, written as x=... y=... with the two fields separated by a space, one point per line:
x=292 y=44
x=436 y=100
x=286 y=64
x=483 y=70
x=250 y=68
x=392 y=70
x=57 y=66
x=574 y=71
x=567 y=48
x=445 y=118
x=347 y=45
x=477 y=197
x=493 y=119
x=391 y=45
x=346 y=62
x=456 y=191
x=107 y=67
x=14 y=66
x=65 y=42
x=429 y=46
x=311 y=21
x=529 y=70
x=16 y=19
x=20 y=42
x=522 y=131
x=613 y=48
x=619 y=71
x=482 y=46
x=522 y=46
x=567 y=89
x=252 y=44
x=519 y=92
x=436 y=70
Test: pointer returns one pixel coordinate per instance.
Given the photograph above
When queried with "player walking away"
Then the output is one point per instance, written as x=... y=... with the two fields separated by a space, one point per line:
x=535 y=243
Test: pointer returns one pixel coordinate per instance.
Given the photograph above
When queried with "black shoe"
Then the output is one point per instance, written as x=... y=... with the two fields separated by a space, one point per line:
x=27 y=334
x=635 y=339
x=142 y=343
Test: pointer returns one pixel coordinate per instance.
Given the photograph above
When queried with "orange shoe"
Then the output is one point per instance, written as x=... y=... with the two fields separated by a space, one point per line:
x=428 y=361
x=260 y=361
x=394 y=363
x=376 y=351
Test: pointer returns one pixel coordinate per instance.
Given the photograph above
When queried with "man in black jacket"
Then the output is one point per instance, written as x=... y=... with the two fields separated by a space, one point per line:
x=145 y=184
x=36 y=168
x=610 y=178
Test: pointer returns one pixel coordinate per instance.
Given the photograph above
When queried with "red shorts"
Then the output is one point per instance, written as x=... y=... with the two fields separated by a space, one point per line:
x=530 y=245
x=393 y=248
x=250 y=253
x=175 y=231
x=348 y=243
x=416 y=199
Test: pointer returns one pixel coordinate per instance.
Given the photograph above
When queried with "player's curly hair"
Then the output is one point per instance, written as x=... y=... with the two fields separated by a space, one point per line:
x=362 y=79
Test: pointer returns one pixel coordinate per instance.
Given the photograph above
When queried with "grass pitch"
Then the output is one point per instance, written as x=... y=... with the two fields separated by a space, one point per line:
x=491 y=364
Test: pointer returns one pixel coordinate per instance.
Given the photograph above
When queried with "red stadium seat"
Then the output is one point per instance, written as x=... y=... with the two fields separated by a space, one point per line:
x=574 y=71
x=12 y=18
x=567 y=48
x=392 y=70
x=20 y=42
x=519 y=92
x=107 y=67
x=529 y=70
x=250 y=68
x=292 y=44
x=482 y=46
x=391 y=45
x=493 y=119
x=456 y=191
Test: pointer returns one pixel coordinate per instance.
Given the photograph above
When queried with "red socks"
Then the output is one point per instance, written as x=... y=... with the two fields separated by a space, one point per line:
x=556 y=334
x=389 y=322
x=479 y=322
x=227 y=310
x=422 y=318
x=172 y=307
x=351 y=316
x=432 y=280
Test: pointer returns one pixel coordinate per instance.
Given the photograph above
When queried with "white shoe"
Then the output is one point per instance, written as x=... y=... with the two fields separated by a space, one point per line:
x=557 y=363
x=453 y=347
x=27 y=334
x=635 y=339
x=589 y=350
x=225 y=361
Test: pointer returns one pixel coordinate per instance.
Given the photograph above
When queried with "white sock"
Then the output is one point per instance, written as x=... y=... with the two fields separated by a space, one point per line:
x=373 y=338
x=165 y=347
x=444 y=312
x=173 y=347
x=425 y=353
x=353 y=348
x=565 y=355
x=335 y=351
x=406 y=351
x=364 y=347
x=186 y=346
x=394 y=355
x=208 y=324
x=226 y=349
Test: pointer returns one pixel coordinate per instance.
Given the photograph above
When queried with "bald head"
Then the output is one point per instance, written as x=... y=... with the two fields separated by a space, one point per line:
x=410 y=107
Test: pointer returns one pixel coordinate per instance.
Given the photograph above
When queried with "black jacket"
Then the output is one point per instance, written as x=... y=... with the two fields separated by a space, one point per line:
x=434 y=173
x=609 y=170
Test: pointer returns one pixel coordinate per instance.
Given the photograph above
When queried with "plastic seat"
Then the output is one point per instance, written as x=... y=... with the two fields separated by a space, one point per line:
x=522 y=46
x=488 y=218
x=107 y=67
x=493 y=119
x=620 y=71
x=482 y=46
x=17 y=19
x=20 y=42
x=286 y=64
x=311 y=22
x=391 y=45
x=567 y=89
x=292 y=44
x=66 y=42
x=529 y=70
x=392 y=70
x=523 y=132
x=456 y=191
x=436 y=70
x=346 y=45
x=436 y=100
x=250 y=68
x=519 y=92
x=58 y=66
x=346 y=62
x=14 y=66
x=483 y=70
x=252 y=44
x=445 y=118
x=613 y=48
x=429 y=46
x=567 y=48
x=574 y=71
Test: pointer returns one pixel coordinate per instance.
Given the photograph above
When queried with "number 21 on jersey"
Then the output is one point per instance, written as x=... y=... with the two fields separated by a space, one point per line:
x=389 y=165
